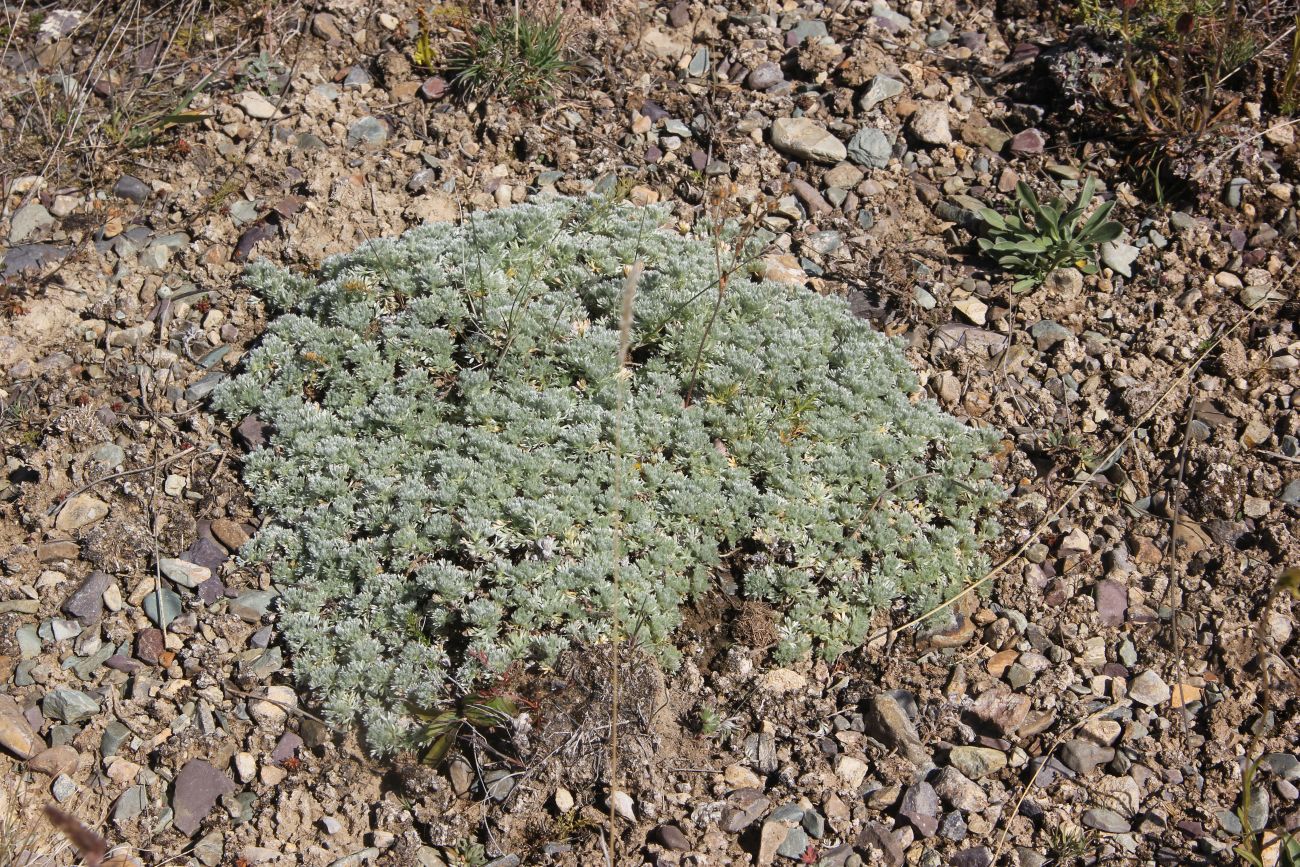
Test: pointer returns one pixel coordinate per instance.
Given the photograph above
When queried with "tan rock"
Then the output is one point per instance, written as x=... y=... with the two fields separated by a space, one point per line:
x=54 y=761
x=81 y=511
x=16 y=733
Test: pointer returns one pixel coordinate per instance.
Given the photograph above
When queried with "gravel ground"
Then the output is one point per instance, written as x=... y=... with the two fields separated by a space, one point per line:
x=1103 y=697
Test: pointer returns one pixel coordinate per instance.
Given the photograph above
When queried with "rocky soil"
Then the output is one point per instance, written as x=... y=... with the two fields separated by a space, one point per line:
x=1102 y=701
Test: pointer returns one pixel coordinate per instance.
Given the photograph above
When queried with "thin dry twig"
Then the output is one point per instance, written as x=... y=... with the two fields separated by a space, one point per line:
x=57 y=507
x=1047 y=755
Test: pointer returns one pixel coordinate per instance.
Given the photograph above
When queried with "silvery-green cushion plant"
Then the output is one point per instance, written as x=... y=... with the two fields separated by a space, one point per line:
x=440 y=481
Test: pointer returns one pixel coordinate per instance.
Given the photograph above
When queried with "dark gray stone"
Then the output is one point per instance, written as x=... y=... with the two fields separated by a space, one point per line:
x=252 y=605
x=671 y=837
x=33 y=258
x=920 y=807
x=69 y=705
x=764 y=76
x=1082 y=756
x=170 y=607
x=1047 y=334
x=975 y=857
x=86 y=603
x=875 y=837
x=870 y=148
x=130 y=187
x=746 y=807
x=115 y=734
x=130 y=804
x=252 y=433
x=367 y=131
x=195 y=793
x=1102 y=819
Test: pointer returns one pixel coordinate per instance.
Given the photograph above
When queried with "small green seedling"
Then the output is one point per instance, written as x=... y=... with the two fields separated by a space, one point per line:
x=1042 y=237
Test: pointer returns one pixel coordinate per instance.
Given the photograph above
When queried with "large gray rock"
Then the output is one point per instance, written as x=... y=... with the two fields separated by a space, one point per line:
x=959 y=791
x=80 y=511
x=930 y=124
x=197 y=788
x=805 y=139
x=887 y=722
x=367 y=131
x=29 y=220
x=882 y=87
x=130 y=804
x=69 y=705
x=871 y=148
x=920 y=806
x=86 y=603
x=130 y=187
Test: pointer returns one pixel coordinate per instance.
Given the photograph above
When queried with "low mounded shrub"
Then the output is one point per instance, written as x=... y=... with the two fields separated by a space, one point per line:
x=439 y=484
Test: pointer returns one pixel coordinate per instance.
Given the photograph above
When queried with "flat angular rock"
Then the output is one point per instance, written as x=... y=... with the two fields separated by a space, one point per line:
x=251 y=433
x=886 y=721
x=745 y=807
x=183 y=572
x=795 y=845
x=256 y=106
x=162 y=607
x=367 y=131
x=999 y=711
x=196 y=790
x=1112 y=602
x=960 y=792
x=977 y=856
x=130 y=804
x=1101 y=819
x=886 y=17
x=955 y=335
x=1082 y=756
x=1030 y=141
x=86 y=603
x=205 y=552
x=29 y=220
x=977 y=762
x=930 y=125
x=920 y=806
x=1047 y=334
x=252 y=605
x=69 y=705
x=876 y=837
x=805 y=139
x=882 y=87
x=80 y=511
x=1119 y=257
x=870 y=148
x=149 y=645
x=1149 y=688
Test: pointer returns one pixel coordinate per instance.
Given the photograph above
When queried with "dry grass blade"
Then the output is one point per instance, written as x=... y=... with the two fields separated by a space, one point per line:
x=26 y=838
x=91 y=846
